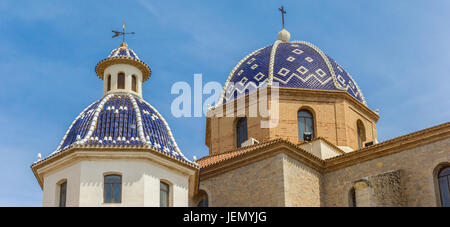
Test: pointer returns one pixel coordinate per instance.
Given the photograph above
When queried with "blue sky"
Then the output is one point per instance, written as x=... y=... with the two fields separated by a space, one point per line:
x=397 y=51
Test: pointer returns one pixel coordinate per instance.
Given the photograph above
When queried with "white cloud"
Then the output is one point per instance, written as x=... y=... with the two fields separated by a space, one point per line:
x=147 y=5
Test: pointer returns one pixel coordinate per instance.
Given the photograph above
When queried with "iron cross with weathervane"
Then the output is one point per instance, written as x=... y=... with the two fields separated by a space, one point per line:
x=122 y=33
x=282 y=13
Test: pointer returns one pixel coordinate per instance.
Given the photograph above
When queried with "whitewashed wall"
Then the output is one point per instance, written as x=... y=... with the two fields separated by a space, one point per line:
x=129 y=70
x=140 y=183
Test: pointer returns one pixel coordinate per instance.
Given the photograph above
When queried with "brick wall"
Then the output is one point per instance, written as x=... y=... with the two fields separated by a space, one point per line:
x=335 y=120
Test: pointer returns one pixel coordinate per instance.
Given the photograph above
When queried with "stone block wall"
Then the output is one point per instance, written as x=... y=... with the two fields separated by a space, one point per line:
x=257 y=184
x=302 y=184
x=418 y=166
x=382 y=190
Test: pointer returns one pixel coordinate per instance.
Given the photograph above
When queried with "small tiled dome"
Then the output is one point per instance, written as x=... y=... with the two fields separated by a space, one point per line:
x=123 y=51
x=123 y=55
x=295 y=64
x=121 y=120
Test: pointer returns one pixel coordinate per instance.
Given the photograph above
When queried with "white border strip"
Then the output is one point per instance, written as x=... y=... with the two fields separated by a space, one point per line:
x=71 y=125
x=139 y=120
x=272 y=61
x=224 y=92
x=95 y=119
x=168 y=129
x=330 y=68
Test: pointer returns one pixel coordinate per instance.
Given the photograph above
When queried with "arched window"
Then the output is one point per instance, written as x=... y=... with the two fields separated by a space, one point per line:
x=121 y=81
x=202 y=198
x=62 y=194
x=241 y=131
x=164 y=192
x=361 y=132
x=133 y=83
x=444 y=186
x=305 y=124
x=203 y=203
x=108 y=82
x=113 y=189
x=352 y=197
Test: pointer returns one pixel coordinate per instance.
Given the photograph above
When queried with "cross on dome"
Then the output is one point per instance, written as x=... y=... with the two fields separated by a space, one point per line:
x=282 y=14
x=283 y=35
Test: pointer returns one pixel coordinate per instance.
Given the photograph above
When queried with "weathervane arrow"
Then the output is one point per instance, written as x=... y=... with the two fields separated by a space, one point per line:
x=116 y=34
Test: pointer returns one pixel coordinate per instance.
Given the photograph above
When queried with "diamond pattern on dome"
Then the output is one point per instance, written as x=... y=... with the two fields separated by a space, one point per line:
x=345 y=81
x=121 y=120
x=250 y=74
x=302 y=72
x=295 y=64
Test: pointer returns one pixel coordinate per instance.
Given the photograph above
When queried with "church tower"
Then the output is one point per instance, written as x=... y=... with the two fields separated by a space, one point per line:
x=317 y=98
x=120 y=150
x=317 y=112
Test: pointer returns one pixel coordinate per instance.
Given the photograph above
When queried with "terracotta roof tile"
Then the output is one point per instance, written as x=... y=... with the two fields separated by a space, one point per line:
x=213 y=159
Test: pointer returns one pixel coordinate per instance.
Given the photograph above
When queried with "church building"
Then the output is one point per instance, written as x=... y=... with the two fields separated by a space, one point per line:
x=322 y=151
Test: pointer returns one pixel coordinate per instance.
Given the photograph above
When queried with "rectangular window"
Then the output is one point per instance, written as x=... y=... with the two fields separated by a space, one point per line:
x=164 y=195
x=113 y=189
x=62 y=194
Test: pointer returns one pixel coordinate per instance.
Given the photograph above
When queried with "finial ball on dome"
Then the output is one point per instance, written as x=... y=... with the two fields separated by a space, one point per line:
x=284 y=35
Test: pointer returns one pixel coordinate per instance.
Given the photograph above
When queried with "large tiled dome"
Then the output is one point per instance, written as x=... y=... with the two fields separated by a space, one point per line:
x=295 y=64
x=121 y=120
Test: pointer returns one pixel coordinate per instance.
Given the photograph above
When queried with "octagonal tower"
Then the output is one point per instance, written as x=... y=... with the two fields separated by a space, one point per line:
x=120 y=150
x=316 y=96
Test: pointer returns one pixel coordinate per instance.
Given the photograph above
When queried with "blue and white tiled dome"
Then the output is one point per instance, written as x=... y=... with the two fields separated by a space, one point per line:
x=295 y=64
x=123 y=55
x=121 y=120
x=123 y=51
